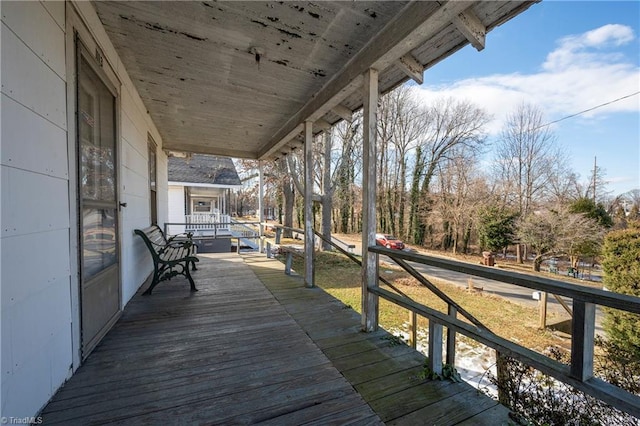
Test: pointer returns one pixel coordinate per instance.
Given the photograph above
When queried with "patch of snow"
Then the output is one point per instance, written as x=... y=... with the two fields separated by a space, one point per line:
x=472 y=361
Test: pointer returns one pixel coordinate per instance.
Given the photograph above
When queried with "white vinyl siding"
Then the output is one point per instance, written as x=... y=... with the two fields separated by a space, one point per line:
x=38 y=251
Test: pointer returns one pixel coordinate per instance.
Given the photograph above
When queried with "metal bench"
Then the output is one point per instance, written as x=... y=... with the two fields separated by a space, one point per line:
x=170 y=257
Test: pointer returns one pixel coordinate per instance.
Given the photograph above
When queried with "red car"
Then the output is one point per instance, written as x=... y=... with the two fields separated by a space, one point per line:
x=389 y=241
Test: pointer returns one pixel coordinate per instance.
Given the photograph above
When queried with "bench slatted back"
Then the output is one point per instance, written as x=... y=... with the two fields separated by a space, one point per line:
x=154 y=239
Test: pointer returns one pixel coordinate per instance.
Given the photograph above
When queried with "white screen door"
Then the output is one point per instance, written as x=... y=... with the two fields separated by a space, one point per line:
x=98 y=205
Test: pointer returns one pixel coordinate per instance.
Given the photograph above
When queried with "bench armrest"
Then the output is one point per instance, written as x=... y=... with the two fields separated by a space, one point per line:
x=187 y=235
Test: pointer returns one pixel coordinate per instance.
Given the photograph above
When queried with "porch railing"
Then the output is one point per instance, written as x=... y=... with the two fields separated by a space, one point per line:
x=245 y=233
x=579 y=373
x=207 y=218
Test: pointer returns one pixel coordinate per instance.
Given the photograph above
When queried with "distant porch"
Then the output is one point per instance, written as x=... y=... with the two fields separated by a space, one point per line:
x=255 y=346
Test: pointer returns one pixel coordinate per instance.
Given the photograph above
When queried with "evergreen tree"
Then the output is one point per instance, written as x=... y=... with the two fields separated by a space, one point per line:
x=496 y=228
x=621 y=266
x=592 y=210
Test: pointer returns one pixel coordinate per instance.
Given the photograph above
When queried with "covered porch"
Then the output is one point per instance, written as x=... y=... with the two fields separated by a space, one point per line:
x=256 y=346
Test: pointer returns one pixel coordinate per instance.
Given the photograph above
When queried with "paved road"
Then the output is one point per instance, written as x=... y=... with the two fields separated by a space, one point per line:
x=516 y=294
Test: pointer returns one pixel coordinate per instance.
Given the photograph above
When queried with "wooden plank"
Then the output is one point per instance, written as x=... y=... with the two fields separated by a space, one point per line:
x=390 y=384
x=338 y=411
x=393 y=382
x=435 y=347
x=498 y=415
x=192 y=391
x=330 y=342
x=411 y=399
x=218 y=364
x=383 y=368
x=450 y=411
x=133 y=392
x=411 y=67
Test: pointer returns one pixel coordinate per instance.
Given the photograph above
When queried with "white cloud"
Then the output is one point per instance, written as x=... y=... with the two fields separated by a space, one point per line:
x=574 y=50
x=584 y=71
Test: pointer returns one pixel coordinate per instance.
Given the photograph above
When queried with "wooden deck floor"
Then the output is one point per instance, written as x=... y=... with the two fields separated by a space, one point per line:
x=254 y=346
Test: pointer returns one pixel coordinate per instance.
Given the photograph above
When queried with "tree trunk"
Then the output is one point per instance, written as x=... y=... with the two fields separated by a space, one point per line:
x=467 y=239
x=402 y=197
x=537 y=263
x=414 y=197
x=289 y=203
x=327 y=191
x=519 y=253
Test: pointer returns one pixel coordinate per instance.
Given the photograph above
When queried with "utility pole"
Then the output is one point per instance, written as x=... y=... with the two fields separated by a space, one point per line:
x=595 y=176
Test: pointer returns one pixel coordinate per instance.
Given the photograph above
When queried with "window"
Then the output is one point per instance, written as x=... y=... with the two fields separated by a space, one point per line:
x=153 y=186
x=202 y=206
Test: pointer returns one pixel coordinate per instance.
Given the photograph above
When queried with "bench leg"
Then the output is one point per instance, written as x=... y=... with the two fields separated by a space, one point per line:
x=193 y=266
x=188 y=274
x=154 y=282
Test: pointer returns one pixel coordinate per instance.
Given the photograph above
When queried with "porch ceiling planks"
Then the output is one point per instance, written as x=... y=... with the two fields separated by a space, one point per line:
x=239 y=78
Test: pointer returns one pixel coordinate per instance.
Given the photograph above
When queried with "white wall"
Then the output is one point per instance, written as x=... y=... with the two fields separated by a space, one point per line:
x=176 y=208
x=38 y=275
x=36 y=308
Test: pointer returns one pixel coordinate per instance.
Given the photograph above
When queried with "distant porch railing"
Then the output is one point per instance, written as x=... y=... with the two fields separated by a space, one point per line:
x=246 y=234
x=215 y=223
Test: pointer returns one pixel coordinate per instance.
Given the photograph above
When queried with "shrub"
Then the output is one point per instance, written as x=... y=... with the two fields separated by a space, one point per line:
x=621 y=267
x=539 y=399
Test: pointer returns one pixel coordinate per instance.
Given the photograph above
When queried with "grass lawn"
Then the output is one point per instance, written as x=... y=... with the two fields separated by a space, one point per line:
x=340 y=277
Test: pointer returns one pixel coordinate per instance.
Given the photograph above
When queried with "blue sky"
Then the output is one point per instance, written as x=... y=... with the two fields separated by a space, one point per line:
x=564 y=57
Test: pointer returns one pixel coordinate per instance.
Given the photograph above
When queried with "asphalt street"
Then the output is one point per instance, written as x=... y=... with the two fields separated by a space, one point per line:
x=513 y=293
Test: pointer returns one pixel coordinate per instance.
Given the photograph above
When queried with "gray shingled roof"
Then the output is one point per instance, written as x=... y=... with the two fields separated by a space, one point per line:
x=203 y=169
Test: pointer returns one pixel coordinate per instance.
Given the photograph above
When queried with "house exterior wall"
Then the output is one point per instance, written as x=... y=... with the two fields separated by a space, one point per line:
x=39 y=288
x=176 y=208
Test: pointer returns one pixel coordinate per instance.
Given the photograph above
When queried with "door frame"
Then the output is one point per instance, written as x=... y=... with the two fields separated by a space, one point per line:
x=78 y=33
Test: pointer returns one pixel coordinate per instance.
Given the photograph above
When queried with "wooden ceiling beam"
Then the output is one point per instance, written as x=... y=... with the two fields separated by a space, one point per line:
x=472 y=28
x=321 y=125
x=343 y=112
x=411 y=67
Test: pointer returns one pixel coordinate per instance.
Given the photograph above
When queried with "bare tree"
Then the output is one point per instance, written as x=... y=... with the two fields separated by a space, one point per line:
x=461 y=193
x=559 y=232
x=450 y=125
x=563 y=186
x=401 y=122
x=526 y=154
x=335 y=155
x=348 y=140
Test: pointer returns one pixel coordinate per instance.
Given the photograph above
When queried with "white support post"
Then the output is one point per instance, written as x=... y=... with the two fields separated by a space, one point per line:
x=435 y=347
x=224 y=210
x=261 y=206
x=370 y=305
x=308 y=205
